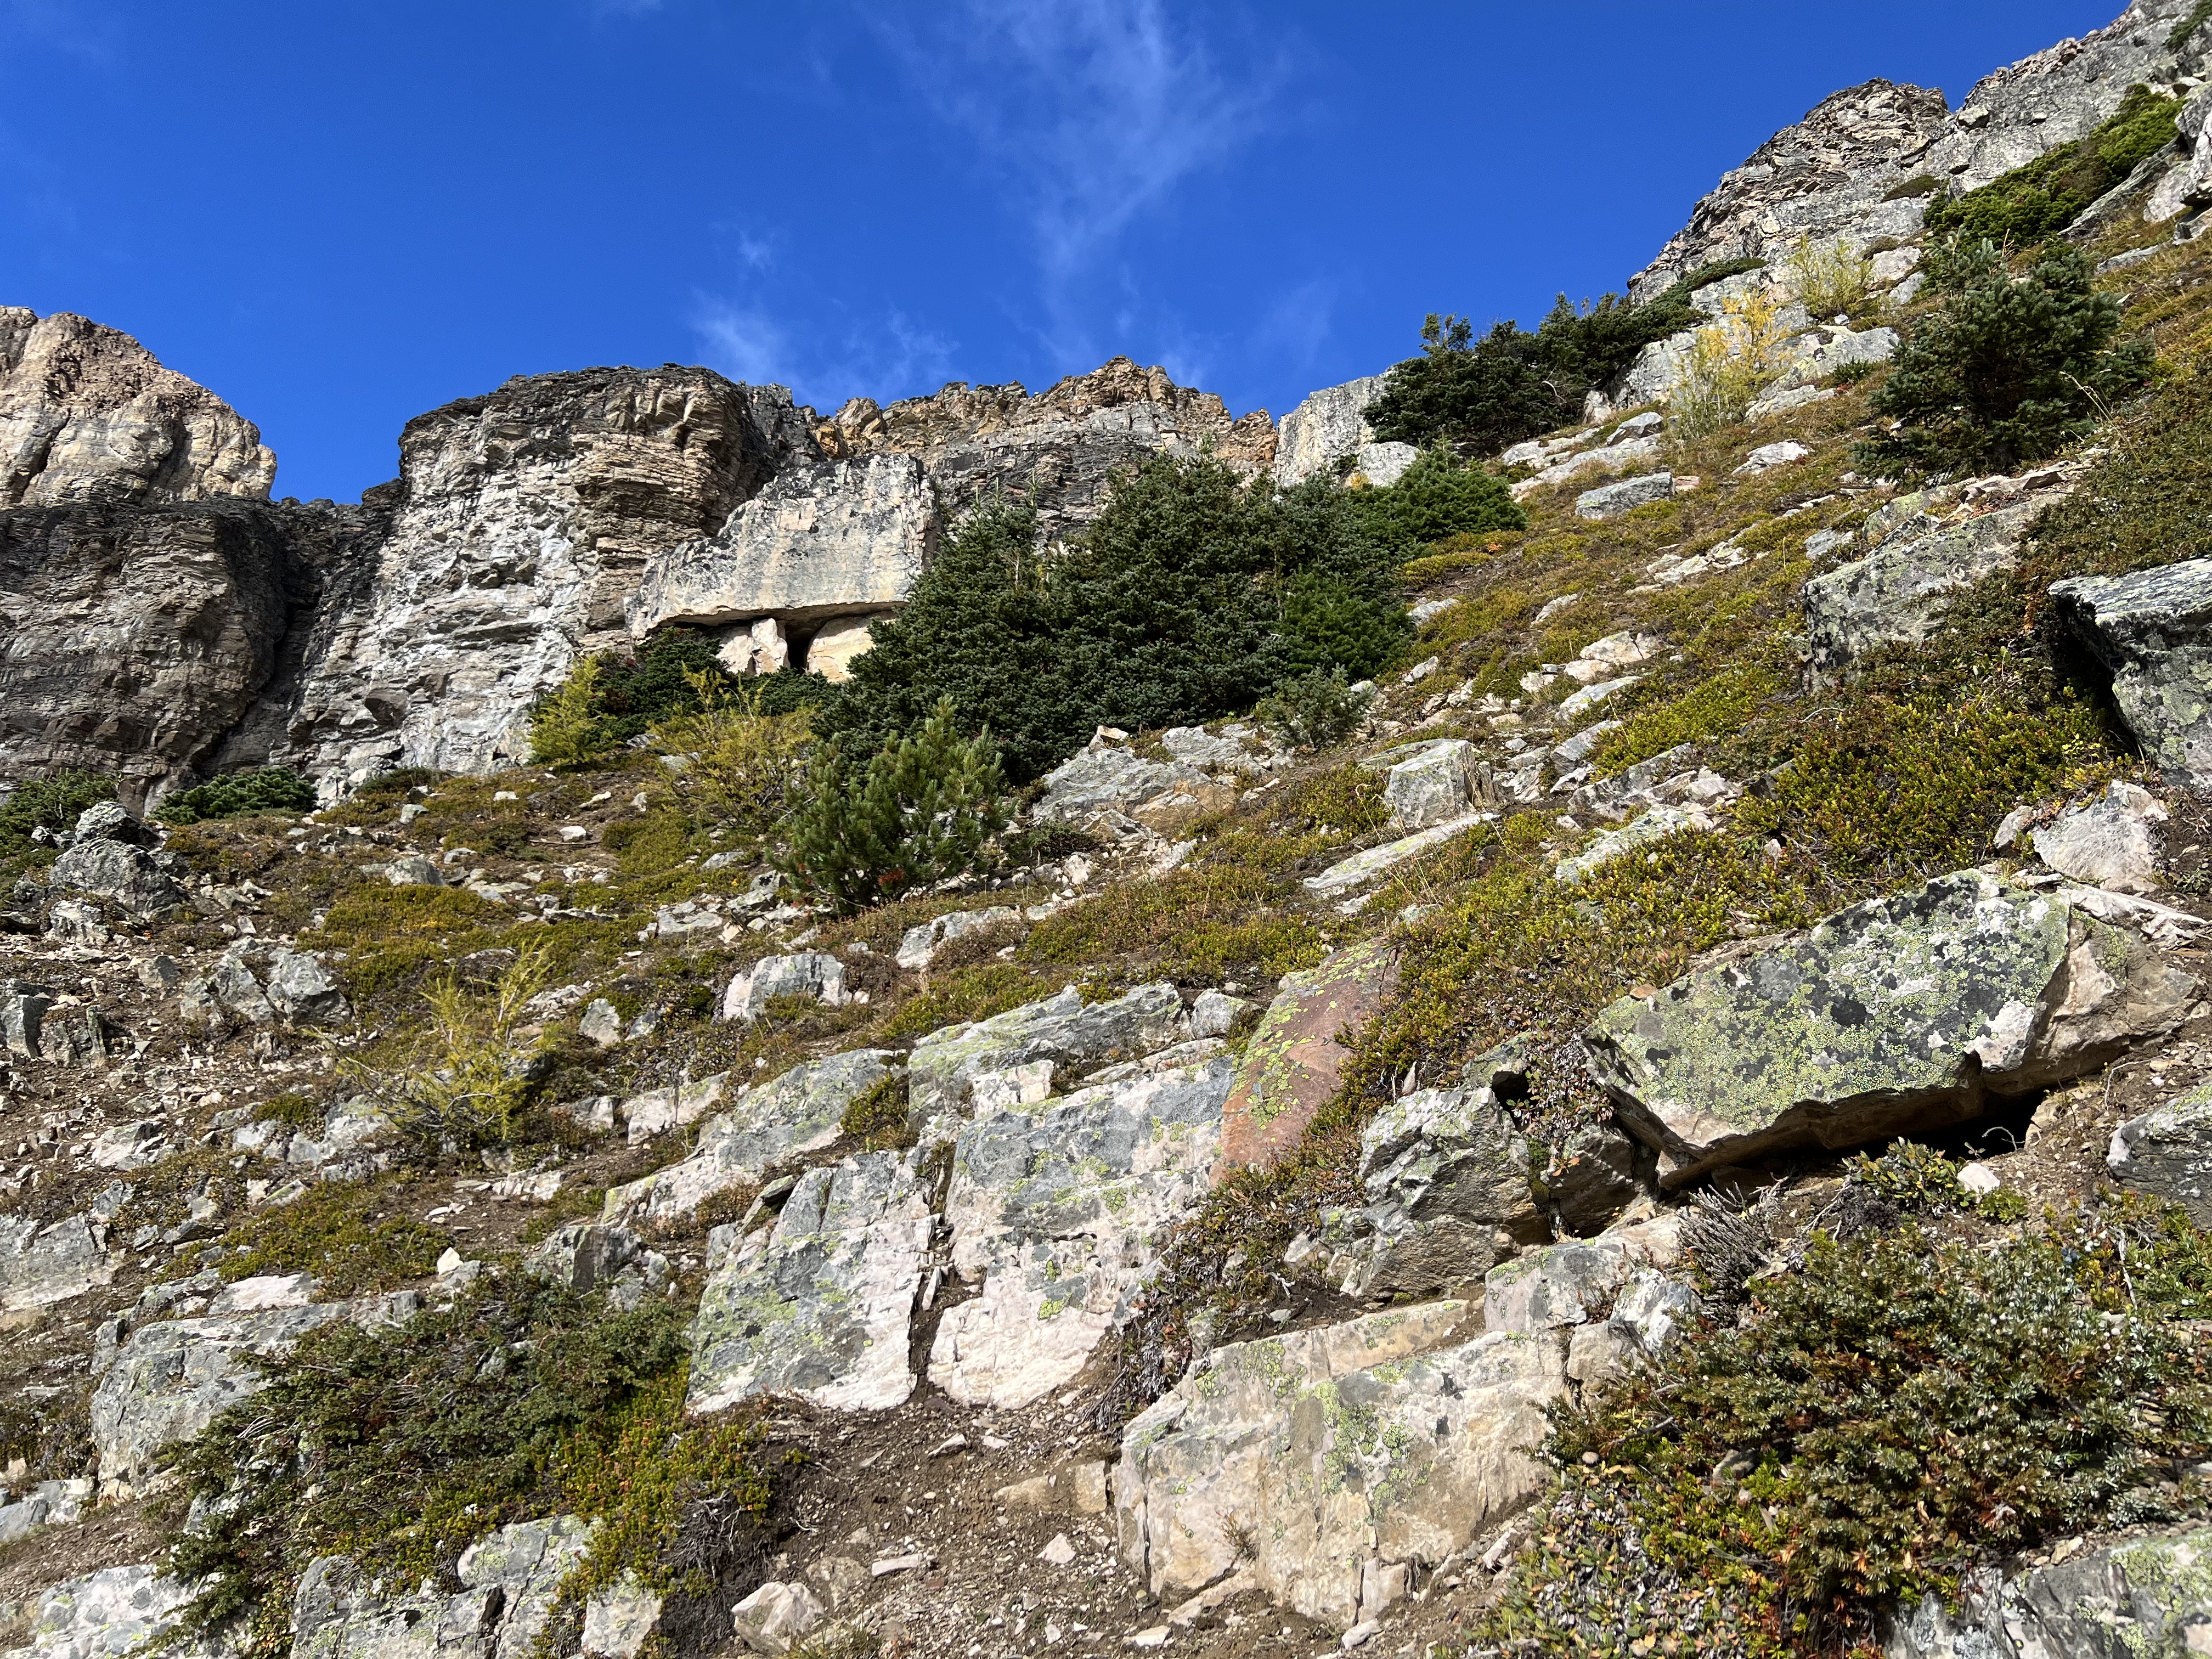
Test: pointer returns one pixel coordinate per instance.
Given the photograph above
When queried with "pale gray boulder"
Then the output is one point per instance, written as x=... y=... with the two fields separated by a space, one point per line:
x=799 y=1111
x=110 y=1613
x=1062 y=1034
x=919 y=946
x=1056 y=1214
x=1611 y=501
x=301 y=989
x=1435 y=785
x=1381 y=465
x=40 y=1265
x=817 y=1306
x=1322 y=1462
x=1898 y=594
x=2112 y=841
x=814 y=974
x=2142 y=1597
x=1107 y=789
x=2167 y=1152
x=1901 y=1015
x=140 y=883
x=774 y=1618
x=2153 y=632
x=171 y=1378
x=237 y=992
x=509 y=1584
x=585 y=1257
x=23 y=1010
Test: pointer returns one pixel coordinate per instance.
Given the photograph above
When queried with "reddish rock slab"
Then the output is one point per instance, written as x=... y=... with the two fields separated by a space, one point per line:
x=1295 y=1061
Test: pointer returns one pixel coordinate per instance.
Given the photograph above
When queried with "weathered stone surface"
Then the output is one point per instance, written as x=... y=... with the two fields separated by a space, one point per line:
x=1363 y=867
x=136 y=882
x=1767 y=457
x=2112 y=841
x=1056 y=1213
x=1899 y=1015
x=1897 y=594
x=1825 y=351
x=619 y=1618
x=1107 y=789
x=1294 y=1061
x=173 y=1377
x=509 y=1582
x=815 y=974
x=919 y=944
x=1611 y=501
x=522 y=524
x=774 y=1617
x=2149 y=1595
x=1057 y=452
x=108 y=1615
x=1433 y=786
x=23 y=1010
x=2152 y=631
x=947 y=1069
x=1329 y=1453
x=301 y=989
x=840 y=539
x=837 y=641
x=1655 y=825
x=1382 y=464
x=1328 y=426
x=1447 y=1177
x=818 y=1306
x=42 y=1264
x=87 y=411
x=796 y=1113
x=584 y=1257
x=674 y=1106
x=2167 y=1152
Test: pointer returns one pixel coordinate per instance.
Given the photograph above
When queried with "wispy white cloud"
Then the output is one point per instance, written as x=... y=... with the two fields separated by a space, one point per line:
x=1293 y=327
x=1097 y=111
x=885 y=355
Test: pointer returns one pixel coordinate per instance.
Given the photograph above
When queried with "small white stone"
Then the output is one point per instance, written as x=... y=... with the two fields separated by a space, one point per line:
x=1157 y=1637
x=1978 y=1179
x=1059 y=1552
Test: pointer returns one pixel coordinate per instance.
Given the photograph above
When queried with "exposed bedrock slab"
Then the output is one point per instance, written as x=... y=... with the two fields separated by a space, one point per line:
x=2153 y=632
x=1320 y=1460
x=1326 y=427
x=817 y=1306
x=509 y=1582
x=42 y=1264
x=1899 y=1015
x=2167 y=1152
x=798 y=1112
x=821 y=541
x=1294 y=1061
x=1056 y=1213
x=173 y=1377
x=1062 y=1034
x=107 y=1615
x=2146 y=1596
x=1898 y=593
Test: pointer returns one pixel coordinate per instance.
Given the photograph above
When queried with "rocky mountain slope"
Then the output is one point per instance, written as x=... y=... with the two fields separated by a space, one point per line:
x=1685 y=1130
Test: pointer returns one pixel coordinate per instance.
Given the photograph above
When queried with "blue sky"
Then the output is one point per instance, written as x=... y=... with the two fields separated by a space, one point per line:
x=340 y=213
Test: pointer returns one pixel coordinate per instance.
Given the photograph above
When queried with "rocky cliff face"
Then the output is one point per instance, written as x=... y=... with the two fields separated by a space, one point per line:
x=86 y=411
x=1833 y=173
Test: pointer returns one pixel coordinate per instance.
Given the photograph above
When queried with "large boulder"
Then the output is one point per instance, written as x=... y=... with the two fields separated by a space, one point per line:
x=815 y=975
x=1612 y=501
x=1898 y=593
x=799 y=1111
x=140 y=883
x=919 y=946
x=2167 y=1152
x=112 y=1613
x=42 y=1264
x=819 y=1305
x=1324 y=1462
x=2111 y=842
x=1107 y=789
x=302 y=989
x=1326 y=427
x=2153 y=633
x=2150 y=1595
x=1056 y=1214
x=174 y=1377
x=948 y=1069
x=1294 y=1062
x=1435 y=784
x=1901 y=1015
x=1447 y=1179
x=509 y=1582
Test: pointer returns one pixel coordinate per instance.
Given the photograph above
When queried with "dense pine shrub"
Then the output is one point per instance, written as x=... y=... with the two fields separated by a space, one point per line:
x=610 y=697
x=51 y=803
x=2006 y=369
x=2032 y=203
x=273 y=789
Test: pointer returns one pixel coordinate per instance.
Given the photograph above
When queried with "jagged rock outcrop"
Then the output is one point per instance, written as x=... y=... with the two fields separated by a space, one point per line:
x=1057 y=452
x=2143 y=1596
x=520 y=528
x=2152 y=630
x=1863 y=164
x=1329 y=425
x=85 y=411
x=508 y=1584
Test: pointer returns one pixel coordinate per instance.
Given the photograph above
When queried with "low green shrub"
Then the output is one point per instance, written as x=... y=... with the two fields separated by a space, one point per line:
x=878 y=1118
x=2034 y=203
x=1314 y=711
x=1872 y=1425
x=349 y=1237
x=49 y=803
x=469 y=1077
x=1435 y=498
x=401 y=1446
x=273 y=789
x=2006 y=370
x=976 y=991
x=918 y=812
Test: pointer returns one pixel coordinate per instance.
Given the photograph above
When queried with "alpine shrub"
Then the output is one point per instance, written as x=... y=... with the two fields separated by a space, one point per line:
x=1314 y=711
x=1434 y=499
x=51 y=802
x=566 y=726
x=917 y=811
x=2007 y=369
x=273 y=789
x=740 y=766
x=2032 y=203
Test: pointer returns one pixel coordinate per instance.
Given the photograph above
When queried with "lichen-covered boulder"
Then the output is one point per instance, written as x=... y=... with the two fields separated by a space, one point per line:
x=2167 y=1152
x=819 y=1305
x=2128 y=1601
x=1108 y=789
x=2153 y=632
x=174 y=1376
x=1897 y=1016
x=1319 y=1461
x=1056 y=1214
x=110 y=1613
x=1898 y=593
x=303 y=990
x=1432 y=786
x=139 y=882
x=1612 y=501
x=2112 y=841
x=509 y=1582
x=919 y=944
x=1063 y=1032
x=585 y=1257
x=1295 y=1059
x=813 y=974
x=799 y=1111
